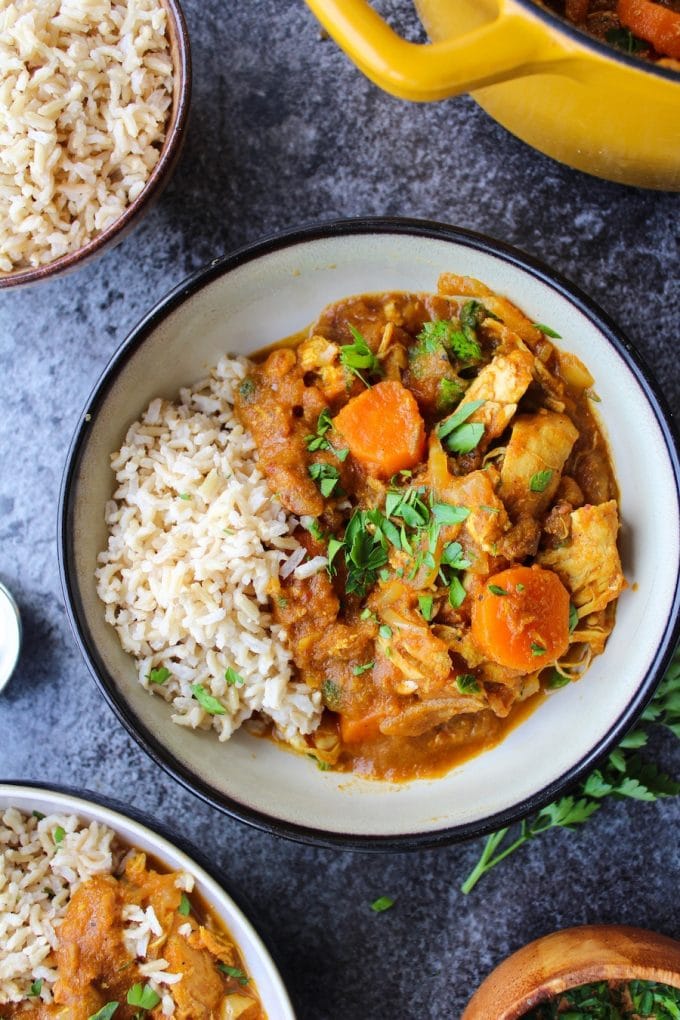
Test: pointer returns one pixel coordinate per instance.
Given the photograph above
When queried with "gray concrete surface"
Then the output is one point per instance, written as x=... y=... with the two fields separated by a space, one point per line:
x=285 y=131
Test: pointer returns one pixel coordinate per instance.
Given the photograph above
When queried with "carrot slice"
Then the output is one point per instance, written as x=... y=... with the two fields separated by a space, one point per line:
x=521 y=618
x=357 y=731
x=657 y=25
x=383 y=428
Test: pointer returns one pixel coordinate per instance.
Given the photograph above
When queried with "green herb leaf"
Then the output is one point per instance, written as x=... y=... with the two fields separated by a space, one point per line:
x=467 y=684
x=58 y=835
x=143 y=996
x=573 y=617
x=318 y=441
x=426 y=604
x=38 y=814
x=557 y=680
x=465 y=438
x=537 y=649
x=358 y=357
x=455 y=420
x=106 y=1012
x=547 y=330
x=184 y=907
x=326 y=477
x=358 y=670
x=158 y=675
x=381 y=904
x=445 y=513
x=234 y=972
x=211 y=705
x=541 y=480
x=233 y=678
x=447 y=334
x=247 y=388
x=496 y=589
x=385 y=632
x=624 y=40
x=331 y=694
x=449 y=392
x=185 y=495
x=36 y=987
x=452 y=556
x=457 y=592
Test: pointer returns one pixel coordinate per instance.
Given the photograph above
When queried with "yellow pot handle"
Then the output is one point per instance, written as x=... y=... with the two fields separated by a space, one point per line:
x=508 y=47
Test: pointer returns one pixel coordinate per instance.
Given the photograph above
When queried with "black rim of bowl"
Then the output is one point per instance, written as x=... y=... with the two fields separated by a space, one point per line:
x=88 y=798
x=149 y=742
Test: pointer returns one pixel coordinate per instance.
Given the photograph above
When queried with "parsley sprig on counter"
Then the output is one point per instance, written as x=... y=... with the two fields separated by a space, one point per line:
x=624 y=774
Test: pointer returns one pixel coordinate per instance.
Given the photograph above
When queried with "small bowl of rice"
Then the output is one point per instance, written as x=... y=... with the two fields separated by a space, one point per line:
x=94 y=101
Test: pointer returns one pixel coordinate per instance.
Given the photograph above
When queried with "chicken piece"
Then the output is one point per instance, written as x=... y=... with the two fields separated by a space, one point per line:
x=500 y=385
x=218 y=945
x=488 y=521
x=421 y=657
x=321 y=356
x=201 y=990
x=533 y=462
x=589 y=565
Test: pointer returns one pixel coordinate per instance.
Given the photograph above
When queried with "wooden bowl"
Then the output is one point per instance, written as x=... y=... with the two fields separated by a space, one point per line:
x=180 y=54
x=566 y=959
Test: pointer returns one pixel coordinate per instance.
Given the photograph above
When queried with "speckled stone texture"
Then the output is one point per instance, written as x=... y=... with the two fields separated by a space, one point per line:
x=285 y=131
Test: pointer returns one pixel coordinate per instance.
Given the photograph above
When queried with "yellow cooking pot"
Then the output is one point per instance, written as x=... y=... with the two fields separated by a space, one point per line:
x=558 y=89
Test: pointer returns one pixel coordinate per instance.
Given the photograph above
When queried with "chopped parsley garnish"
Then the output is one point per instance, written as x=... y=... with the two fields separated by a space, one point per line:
x=143 y=996
x=557 y=680
x=58 y=835
x=331 y=694
x=247 y=388
x=319 y=441
x=365 y=553
x=315 y=531
x=452 y=556
x=426 y=604
x=36 y=988
x=233 y=678
x=450 y=335
x=467 y=684
x=358 y=357
x=449 y=392
x=496 y=589
x=106 y=1012
x=234 y=972
x=185 y=495
x=456 y=592
x=385 y=632
x=326 y=477
x=447 y=513
x=457 y=434
x=624 y=40
x=537 y=649
x=368 y=614
x=547 y=330
x=358 y=670
x=38 y=814
x=184 y=907
x=209 y=704
x=519 y=586
x=541 y=480
x=573 y=617
x=158 y=675
x=381 y=904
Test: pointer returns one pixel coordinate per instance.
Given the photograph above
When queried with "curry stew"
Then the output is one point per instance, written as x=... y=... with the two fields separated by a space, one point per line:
x=98 y=978
x=441 y=452
x=649 y=29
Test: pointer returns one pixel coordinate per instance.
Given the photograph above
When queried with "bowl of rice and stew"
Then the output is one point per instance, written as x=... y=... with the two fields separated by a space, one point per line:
x=93 y=110
x=101 y=917
x=376 y=559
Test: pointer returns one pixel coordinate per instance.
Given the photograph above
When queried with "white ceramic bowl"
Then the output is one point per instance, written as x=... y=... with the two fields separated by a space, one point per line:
x=253 y=298
x=259 y=963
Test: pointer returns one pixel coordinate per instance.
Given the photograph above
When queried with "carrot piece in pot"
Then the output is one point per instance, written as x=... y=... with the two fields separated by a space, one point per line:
x=652 y=22
x=521 y=618
x=383 y=429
